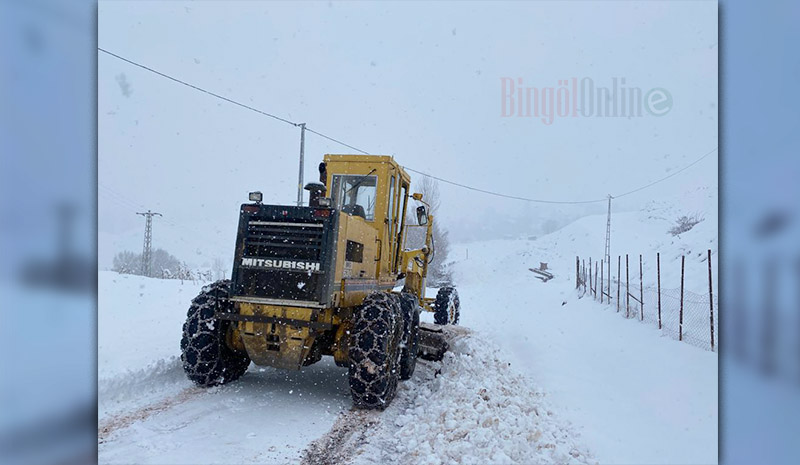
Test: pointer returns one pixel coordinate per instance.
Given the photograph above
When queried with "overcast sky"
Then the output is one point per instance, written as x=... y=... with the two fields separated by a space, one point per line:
x=418 y=81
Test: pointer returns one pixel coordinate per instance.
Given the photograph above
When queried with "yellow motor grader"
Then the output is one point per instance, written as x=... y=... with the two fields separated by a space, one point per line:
x=331 y=278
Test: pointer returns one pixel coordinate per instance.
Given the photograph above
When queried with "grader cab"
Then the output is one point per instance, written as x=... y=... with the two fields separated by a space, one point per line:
x=331 y=278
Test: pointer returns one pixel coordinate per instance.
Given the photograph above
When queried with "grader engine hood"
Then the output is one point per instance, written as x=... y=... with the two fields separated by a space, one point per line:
x=284 y=255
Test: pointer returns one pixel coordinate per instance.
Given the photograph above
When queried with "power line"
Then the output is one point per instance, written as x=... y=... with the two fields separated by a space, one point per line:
x=499 y=194
x=120 y=199
x=564 y=201
x=337 y=141
x=670 y=175
x=133 y=206
x=463 y=186
x=198 y=88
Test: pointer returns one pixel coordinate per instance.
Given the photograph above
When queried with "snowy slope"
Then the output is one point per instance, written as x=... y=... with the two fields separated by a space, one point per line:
x=138 y=320
x=639 y=232
x=639 y=397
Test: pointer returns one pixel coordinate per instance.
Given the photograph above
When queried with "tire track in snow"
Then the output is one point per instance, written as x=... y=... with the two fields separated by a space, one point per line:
x=117 y=422
x=163 y=384
x=345 y=437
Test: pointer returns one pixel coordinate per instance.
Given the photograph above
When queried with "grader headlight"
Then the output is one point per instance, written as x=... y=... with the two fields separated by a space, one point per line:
x=256 y=196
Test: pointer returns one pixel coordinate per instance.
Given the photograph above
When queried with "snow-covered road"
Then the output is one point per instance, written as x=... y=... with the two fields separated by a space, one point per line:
x=268 y=416
x=474 y=407
x=150 y=413
x=470 y=408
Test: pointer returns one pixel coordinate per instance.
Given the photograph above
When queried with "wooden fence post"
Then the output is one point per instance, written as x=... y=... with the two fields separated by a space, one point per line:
x=658 y=268
x=602 y=286
x=641 y=291
x=595 y=280
x=627 y=289
x=577 y=272
x=584 y=274
x=680 y=323
x=711 y=299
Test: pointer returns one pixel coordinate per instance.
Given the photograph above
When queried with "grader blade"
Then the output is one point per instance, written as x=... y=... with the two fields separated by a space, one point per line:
x=432 y=342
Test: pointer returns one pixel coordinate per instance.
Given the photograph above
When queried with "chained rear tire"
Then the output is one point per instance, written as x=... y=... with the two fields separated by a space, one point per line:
x=374 y=350
x=447 y=308
x=409 y=347
x=207 y=359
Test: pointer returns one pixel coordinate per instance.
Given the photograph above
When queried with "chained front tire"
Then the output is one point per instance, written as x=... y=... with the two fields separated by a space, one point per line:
x=447 y=308
x=409 y=347
x=373 y=350
x=207 y=359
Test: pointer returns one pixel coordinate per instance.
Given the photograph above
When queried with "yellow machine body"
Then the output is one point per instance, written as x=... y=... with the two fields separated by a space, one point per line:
x=369 y=198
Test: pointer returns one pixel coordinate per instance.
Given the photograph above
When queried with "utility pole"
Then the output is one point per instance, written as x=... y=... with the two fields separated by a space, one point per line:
x=302 y=156
x=148 y=239
x=608 y=232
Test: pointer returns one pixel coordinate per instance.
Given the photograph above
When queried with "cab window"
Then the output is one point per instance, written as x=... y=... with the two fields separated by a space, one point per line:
x=391 y=206
x=355 y=194
x=402 y=216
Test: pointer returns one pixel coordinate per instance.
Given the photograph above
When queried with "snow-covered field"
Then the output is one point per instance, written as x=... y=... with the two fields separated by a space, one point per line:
x=536 y=374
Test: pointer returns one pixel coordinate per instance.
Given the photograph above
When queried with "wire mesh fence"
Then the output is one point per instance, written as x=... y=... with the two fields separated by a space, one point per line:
x=680 y=314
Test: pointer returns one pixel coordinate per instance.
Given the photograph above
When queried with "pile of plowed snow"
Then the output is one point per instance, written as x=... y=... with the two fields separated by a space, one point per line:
x=470 y=408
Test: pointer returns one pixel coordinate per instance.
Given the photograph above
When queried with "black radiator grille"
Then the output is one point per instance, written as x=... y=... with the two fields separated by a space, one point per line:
x=284 y=253
x=278 y=239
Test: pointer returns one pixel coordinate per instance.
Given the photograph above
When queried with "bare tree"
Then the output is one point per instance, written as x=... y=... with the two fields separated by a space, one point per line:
x=220 y=268
x=429 y=188
x=127 y=262
x=685 y=223
x=438 y=271
x=164 y=265
x=185 y=273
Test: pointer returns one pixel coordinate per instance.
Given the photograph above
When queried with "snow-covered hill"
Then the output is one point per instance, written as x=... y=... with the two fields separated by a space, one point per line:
x=636 y=393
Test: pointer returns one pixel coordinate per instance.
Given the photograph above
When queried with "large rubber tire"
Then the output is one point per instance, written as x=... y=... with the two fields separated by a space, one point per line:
x=374 y=350
x=447 y=308
x=207 y=359
x=409 y=346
